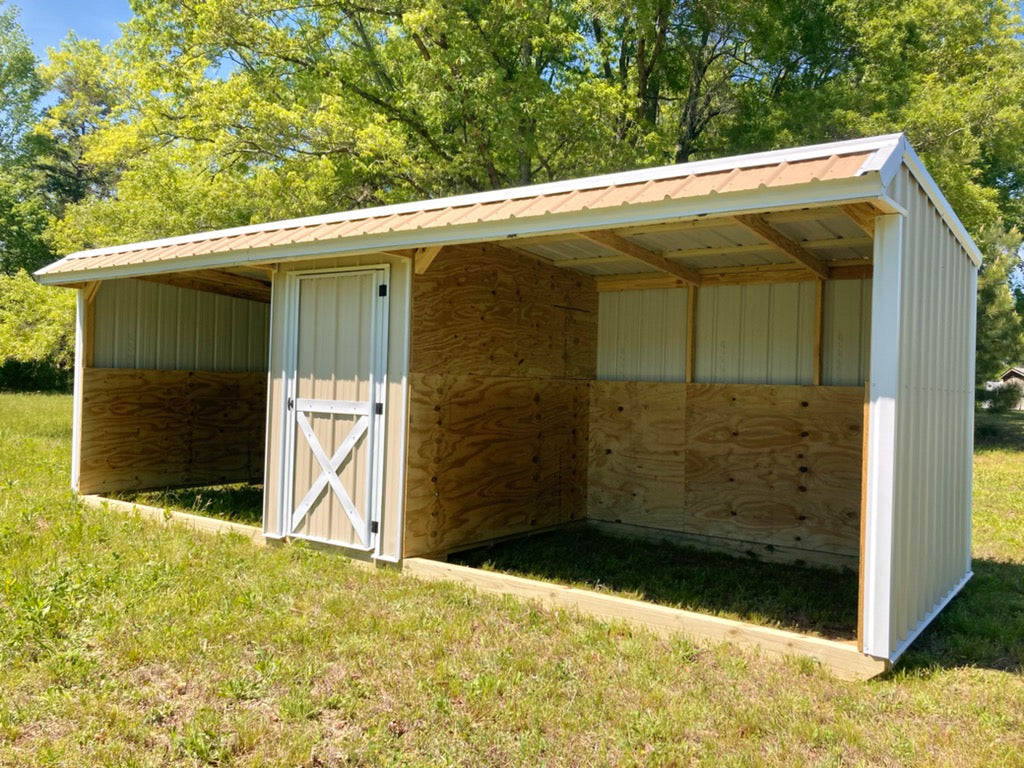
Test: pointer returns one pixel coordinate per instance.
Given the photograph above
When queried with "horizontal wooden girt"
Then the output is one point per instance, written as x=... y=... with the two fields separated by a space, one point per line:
x=713 y=276
x=626 y=247
x=760 y=227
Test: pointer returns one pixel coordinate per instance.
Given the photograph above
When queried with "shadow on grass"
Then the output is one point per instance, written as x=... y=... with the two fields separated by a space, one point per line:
x=793 y=597
x=983 y=626
x=238 y=502
x=1004 y=431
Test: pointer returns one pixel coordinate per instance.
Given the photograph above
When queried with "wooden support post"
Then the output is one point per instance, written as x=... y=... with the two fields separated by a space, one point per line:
x=89 y=323
x=819 y=322
x=424 y=257
x=691 y=332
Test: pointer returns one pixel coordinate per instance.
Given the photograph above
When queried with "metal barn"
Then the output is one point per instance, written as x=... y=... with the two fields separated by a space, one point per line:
x=770 y=353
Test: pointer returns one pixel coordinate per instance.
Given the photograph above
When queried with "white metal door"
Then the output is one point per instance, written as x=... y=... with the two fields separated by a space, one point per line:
x=334 y=410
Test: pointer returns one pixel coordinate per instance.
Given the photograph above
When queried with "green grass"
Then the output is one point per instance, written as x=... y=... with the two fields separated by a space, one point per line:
x=237 y=502
x=125 y=643
x=812 y=600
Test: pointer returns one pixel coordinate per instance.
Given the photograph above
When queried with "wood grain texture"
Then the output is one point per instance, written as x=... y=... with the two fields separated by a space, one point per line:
x=153 y=429
x=775 y=468
x=482 y=310
x=491 y=457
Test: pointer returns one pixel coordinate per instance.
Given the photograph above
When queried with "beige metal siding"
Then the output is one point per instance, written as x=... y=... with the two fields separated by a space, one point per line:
x=641 y=335
x=150 y=326
x=931 y=525
x=755 y=334
x=846 y=333
x=395 y=411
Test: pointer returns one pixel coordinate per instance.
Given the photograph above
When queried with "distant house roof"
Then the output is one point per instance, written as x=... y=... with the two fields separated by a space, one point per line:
x=833 y=174
x=1013 y=374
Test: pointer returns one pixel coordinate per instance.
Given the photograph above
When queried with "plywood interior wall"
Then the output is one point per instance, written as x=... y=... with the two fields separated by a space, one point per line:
x=150 y=429
x=503 y=348
x=770 y=470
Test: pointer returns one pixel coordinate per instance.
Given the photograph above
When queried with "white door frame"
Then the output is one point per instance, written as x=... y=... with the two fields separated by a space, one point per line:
x=288 y=408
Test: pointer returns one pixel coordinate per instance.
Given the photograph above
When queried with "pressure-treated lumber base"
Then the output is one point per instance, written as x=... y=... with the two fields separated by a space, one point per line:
x=842 y=659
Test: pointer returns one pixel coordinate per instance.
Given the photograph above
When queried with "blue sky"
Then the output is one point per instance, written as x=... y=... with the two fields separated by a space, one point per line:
x=47 y=22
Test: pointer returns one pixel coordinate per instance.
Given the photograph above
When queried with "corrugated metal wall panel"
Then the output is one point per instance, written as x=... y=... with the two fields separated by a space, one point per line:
x=755 y=334
x=846 y=333
x=642 y=335
x=159 y=327
x=933 y=422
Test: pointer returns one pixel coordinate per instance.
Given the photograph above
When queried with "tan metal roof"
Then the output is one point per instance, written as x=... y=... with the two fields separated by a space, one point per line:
x=614 y=200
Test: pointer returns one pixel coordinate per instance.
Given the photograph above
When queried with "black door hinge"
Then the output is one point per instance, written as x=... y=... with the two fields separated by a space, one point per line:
x=382 y=290
x=291 y=404
x=374 y=526
x=379 y=409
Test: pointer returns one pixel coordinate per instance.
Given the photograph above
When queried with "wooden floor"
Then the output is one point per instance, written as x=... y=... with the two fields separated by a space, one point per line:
x=841 y=658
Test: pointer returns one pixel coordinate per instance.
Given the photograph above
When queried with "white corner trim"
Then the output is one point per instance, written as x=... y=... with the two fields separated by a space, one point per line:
x=886 y=301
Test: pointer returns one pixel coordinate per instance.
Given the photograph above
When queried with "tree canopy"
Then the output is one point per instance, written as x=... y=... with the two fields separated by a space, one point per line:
x=226 y=112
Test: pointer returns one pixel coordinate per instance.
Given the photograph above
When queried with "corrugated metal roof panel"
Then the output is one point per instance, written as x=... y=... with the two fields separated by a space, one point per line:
x=740 y=174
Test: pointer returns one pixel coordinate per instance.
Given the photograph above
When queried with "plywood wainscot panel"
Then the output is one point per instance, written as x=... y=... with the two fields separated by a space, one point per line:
x=491 y=457
x=149 y=429
x=637 y=446
x=776 y=465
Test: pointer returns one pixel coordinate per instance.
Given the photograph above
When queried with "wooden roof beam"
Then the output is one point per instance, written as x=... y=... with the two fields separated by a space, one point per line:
x=791 y=248
x=863 y=215
x=422 y=258
x=215 y=281
x=626 y=247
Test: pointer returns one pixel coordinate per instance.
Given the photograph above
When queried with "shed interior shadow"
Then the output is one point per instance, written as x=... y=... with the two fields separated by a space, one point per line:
x=795 y=597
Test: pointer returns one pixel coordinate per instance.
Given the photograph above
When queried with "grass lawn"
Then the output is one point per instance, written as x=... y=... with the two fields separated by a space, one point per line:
x=124 y=643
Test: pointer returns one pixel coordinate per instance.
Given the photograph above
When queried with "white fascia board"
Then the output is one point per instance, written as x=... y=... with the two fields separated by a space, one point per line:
x=916 y=167
x=881 y=145
x=814 y=194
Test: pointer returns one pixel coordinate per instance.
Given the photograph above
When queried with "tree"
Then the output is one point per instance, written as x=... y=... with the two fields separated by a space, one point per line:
x=37 y=333
x=22 y=219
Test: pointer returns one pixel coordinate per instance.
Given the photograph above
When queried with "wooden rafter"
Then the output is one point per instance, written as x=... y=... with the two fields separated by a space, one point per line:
x=215 y=281
x=423 y=257
x=626 y=247
x=760 y=227
x=863 y=215
x=724 y=250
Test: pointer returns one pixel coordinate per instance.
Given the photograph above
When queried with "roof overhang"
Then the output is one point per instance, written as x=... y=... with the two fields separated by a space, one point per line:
x=822 y=177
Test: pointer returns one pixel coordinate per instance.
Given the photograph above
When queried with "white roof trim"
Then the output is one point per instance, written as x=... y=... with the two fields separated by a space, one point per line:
x=910 y=158
x=884 y=148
